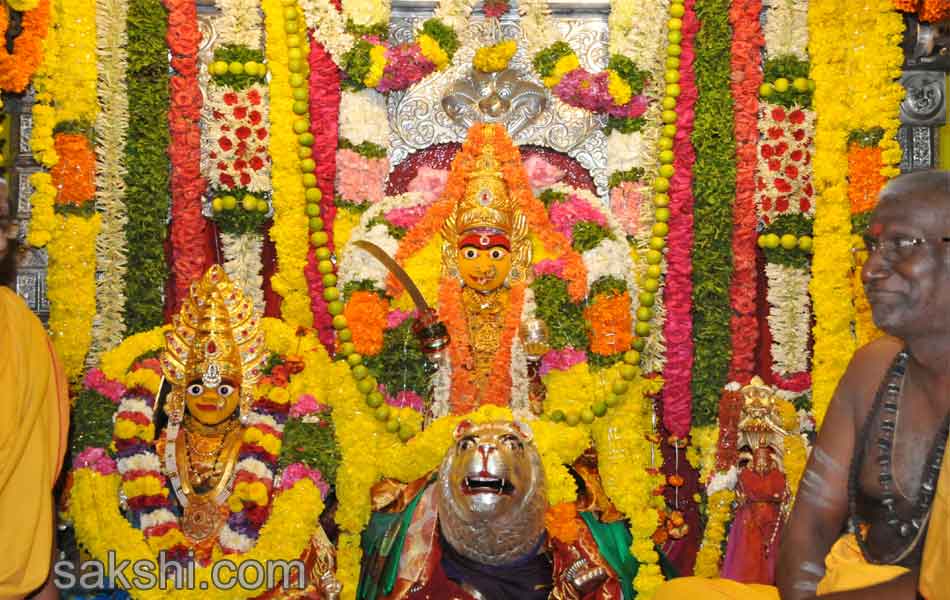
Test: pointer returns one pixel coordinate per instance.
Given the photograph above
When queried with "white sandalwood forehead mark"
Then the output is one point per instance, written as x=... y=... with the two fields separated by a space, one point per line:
x=812 y=568
x=805 y=585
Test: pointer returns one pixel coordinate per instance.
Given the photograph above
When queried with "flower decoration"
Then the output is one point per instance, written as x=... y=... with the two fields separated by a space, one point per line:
x=18 y=67
x=494 y=58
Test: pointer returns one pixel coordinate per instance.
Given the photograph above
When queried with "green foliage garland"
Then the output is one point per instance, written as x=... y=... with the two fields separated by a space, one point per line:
x=147 y=195
x=587 y=235
x=91 y=422
x=714 y=189
x=313 y=444
x=565 y=320
x=400 y=365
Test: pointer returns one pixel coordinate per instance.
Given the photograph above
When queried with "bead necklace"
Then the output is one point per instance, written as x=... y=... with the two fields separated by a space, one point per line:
x=887 y=402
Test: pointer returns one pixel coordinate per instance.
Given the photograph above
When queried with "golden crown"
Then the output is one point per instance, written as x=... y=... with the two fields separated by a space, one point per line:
x=216 y=335
x=486 y=203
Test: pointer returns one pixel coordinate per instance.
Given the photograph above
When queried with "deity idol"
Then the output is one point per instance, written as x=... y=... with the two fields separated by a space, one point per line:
x=207 y=486
x=761 y=495
x=477 y=530
x=522 y=285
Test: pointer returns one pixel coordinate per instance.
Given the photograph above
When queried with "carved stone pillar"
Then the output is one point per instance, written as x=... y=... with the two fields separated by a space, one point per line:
x=31 y=276
x=923 y=112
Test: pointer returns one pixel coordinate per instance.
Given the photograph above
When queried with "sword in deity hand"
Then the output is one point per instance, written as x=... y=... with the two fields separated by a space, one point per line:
x=431 y=332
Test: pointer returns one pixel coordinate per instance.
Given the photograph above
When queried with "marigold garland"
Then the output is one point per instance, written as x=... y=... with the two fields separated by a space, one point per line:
x=720 y=513
x=562 y=522
x=864 y=66
x=929 y=11
x=74 y=174
x=18 y=67
x=611 y=323
x=366 y=314
x=289 y=231
x=464 y=396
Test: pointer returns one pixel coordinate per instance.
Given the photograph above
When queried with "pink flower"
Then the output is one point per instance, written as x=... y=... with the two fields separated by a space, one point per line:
x=561 y=360
x=429 y=182
x=564 y=215
x=625 y=203
x=406 y=399
x=549 y=266
x=297 y=471
x=360 y=179
x=407 y=217
x=97 y=381
x=541 y=173
x=396 y=317
x=96 y=459
x=306 y=405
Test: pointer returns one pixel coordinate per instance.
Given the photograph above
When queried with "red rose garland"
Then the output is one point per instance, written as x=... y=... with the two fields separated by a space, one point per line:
x=190 y=252
x=324 y=125
x=747 y=43
x=678 y=291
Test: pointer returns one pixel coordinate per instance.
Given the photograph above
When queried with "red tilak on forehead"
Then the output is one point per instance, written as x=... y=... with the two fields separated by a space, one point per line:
x=485 y=240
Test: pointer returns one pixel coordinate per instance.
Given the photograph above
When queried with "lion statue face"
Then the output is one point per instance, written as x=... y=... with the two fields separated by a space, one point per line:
x=491 y=496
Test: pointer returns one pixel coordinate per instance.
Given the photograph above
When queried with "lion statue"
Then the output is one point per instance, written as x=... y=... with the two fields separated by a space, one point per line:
x=476 y=530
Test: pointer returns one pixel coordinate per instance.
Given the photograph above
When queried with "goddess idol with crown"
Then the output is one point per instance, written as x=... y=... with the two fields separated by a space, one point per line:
x=528 y=288
x=205 y=484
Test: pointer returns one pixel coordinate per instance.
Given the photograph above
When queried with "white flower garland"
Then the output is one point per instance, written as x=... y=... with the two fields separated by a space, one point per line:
x=112 y=126
x=329 y=27
x=789 y=317
x=239 y=22
x=518 y=368
x=242 y=263
x=786 y=28
x=221 y=122
x=367 y=12
x=364 y=117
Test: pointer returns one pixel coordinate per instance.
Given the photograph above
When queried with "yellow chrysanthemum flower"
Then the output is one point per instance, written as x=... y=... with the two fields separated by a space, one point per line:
x=433 y=51
x=619 y=89
x=377 y=57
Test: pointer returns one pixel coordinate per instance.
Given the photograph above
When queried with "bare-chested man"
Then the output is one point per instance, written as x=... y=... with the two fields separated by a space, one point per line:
x=891 y=450
x=875 y=465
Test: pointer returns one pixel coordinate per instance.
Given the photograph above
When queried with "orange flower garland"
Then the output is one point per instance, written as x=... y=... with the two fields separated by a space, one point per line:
x=464 y=162
x=464 y=396
x=611 y=323
x=864 y=177
x=366 y=315
x=929 y=11
x=562 y=523
x=74 y=174
x=17 y=69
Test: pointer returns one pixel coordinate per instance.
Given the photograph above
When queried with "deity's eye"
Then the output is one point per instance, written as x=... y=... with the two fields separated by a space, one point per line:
x=196 y=389
x=469 y=253
x=225 y=390
x=466 y=443
x=512 y=442
x=498 y=253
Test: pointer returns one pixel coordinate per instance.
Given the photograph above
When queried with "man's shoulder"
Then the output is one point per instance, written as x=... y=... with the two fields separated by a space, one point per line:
x=868 y=367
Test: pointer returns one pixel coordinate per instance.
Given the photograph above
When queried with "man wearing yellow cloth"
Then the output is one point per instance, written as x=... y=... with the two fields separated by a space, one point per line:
x=34 y=419
x=866 y=502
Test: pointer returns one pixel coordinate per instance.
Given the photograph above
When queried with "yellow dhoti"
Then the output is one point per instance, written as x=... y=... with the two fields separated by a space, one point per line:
x=34 y=419
x=845 y=569
x=934 y=580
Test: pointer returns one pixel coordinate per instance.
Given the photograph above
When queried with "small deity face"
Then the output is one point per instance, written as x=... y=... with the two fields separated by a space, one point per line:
x=484 y=260
x=762 y=461
x=211 y=405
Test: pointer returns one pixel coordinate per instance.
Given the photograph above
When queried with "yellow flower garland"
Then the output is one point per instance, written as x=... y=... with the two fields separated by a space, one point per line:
x=71 y=287
x=720 y=512
x=855 y=89
x=290 y=229
x=94 y=511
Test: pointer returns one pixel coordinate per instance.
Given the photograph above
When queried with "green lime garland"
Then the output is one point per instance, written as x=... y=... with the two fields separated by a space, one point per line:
x=714 y=189
x=147 y=194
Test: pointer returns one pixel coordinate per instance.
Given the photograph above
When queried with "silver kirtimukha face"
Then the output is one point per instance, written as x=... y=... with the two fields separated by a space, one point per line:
x=491 y=492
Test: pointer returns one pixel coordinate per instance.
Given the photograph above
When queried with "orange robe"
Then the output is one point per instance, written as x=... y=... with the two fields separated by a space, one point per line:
x=34 y=421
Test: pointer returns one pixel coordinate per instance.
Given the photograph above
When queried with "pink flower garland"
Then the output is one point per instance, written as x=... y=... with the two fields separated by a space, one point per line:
x=190 y=253
x=747 y=43
x=324 y=125
x=678 y=291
